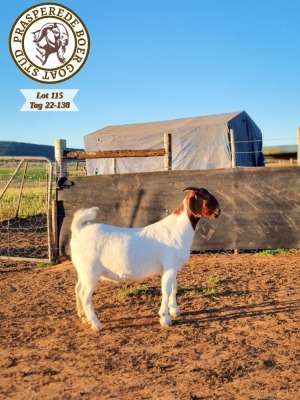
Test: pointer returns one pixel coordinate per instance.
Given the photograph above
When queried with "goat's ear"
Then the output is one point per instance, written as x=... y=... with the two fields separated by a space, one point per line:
x=195 y=189
x=203 y=193
x=195 y=203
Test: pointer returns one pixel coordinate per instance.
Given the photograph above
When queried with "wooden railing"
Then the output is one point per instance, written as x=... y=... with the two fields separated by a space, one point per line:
x=62 y=155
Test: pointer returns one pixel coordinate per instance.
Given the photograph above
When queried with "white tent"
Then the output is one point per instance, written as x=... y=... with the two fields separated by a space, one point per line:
x=197 y=143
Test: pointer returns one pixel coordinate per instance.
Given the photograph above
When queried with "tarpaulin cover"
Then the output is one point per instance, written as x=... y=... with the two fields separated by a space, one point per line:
x=197 y=143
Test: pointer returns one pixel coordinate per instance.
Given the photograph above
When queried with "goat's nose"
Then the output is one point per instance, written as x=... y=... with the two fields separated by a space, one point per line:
x=217 y=212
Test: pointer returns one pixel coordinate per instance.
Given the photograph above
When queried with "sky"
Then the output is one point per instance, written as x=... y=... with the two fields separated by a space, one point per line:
x=153 y=60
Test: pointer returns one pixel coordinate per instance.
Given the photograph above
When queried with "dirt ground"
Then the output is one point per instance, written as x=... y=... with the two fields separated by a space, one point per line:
x=238 y=340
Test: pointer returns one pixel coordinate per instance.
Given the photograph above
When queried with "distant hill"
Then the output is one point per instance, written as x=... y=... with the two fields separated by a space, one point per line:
x=287 y=151
x=26 y=149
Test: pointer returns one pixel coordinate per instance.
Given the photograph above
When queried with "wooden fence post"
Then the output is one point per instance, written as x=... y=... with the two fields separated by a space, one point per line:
x=60 y=164
x=232 y=143
x=233 y=165
x=114 y=165
x=168 y=151
x=54 y=230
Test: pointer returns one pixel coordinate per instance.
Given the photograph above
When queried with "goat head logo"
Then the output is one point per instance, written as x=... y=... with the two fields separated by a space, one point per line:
x=51 y=38
x=49 y=43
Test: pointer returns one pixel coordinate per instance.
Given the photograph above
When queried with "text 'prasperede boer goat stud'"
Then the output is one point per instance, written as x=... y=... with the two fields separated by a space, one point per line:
x=124 y=254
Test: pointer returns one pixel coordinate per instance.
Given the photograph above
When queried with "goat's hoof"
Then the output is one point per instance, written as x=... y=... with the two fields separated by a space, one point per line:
x=165 y=321
x=175 y=312
x=96 y=327
x=84 y=321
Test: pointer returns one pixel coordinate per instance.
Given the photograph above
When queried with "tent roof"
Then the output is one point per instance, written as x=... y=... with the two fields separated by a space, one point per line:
x=166 y=126
x=197 y=143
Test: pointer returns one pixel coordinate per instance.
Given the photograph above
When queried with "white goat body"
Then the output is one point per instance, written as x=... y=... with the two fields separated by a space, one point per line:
x=118 y=254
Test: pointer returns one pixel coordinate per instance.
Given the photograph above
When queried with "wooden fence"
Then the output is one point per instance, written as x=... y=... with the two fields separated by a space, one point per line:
x=62 y=155
x=260 y=206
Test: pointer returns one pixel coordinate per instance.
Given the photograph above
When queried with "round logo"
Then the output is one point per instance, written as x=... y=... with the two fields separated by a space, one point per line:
x=49 y=43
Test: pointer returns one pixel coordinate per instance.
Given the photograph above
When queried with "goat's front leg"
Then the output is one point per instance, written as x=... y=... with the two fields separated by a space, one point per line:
x=173 y=306
x=168 y=282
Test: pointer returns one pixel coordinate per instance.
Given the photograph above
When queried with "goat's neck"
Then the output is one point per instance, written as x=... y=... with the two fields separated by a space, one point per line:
x=184 y=223
x=183 y=212
x=177 y=228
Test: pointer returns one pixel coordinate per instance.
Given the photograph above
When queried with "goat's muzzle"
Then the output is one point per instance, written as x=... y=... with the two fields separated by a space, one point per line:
x=216 y=214
x=213 y=209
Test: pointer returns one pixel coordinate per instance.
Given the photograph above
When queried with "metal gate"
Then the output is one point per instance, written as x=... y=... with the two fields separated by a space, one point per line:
x=25 y=208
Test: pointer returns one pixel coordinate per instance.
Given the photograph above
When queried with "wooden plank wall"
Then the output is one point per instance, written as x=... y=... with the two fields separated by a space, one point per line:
x=260 y=206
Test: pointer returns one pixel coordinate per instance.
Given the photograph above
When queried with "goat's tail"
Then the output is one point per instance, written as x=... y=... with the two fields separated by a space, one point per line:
x=82 y=216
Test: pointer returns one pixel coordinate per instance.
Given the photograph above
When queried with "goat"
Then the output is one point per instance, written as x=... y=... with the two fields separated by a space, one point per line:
x=118 y=254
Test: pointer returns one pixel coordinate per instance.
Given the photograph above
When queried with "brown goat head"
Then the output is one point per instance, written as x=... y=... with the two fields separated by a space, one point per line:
x=201 y=203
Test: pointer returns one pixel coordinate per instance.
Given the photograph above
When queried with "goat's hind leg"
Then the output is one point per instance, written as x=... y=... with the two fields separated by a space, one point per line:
x=79 y=305
x=86 y=292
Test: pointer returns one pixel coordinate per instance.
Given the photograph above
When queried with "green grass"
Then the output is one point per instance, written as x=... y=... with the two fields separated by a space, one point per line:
x=139 y=290
x=33 y=199
x=73 y=169
x=33 y=174
x=45 y=264
x=213 y=280
x=210 y=289
x=274 y=252
x=33 y=202
x=34 y=194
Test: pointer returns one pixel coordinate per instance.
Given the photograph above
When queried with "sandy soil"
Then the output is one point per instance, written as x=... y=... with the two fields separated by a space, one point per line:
x=241 y=343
